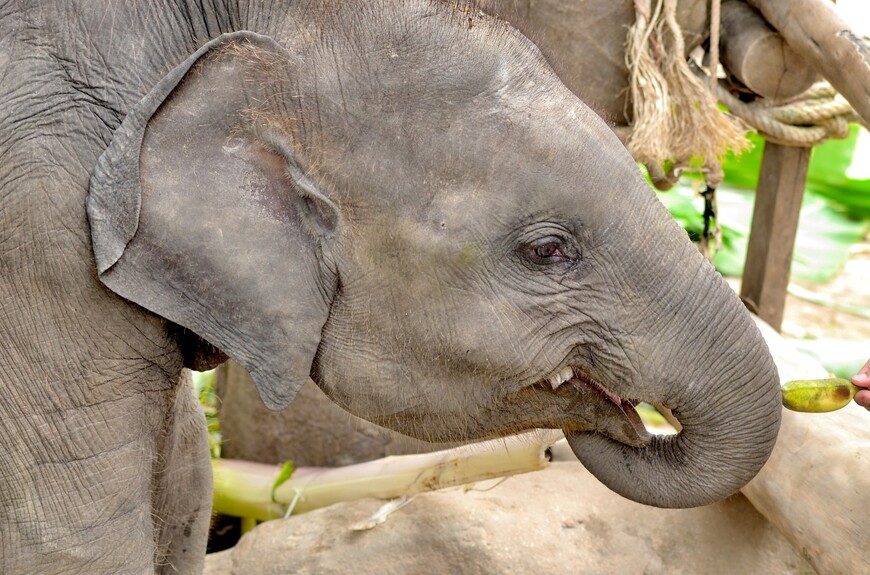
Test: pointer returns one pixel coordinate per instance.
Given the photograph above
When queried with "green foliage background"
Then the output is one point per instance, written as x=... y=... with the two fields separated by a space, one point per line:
x=834 y=214
x=204 y=386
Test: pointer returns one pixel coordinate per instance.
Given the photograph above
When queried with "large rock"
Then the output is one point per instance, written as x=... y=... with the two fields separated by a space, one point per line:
x=814 y=486
x=560 y=520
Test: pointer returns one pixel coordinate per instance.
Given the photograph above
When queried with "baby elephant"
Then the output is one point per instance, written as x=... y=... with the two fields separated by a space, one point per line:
x=398 y=198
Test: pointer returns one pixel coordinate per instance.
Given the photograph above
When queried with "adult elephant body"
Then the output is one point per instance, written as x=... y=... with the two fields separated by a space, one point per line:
x=399 y=199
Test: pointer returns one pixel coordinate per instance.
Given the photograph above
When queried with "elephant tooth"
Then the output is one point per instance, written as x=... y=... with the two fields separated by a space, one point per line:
x=555 y=380
x=558 y=379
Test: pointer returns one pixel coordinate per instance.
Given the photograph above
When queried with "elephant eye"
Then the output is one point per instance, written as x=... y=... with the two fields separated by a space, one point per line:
x=547 y=252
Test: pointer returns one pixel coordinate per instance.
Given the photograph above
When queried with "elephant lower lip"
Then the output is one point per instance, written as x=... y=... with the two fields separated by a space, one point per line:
x=634 y=420
x=619 y=421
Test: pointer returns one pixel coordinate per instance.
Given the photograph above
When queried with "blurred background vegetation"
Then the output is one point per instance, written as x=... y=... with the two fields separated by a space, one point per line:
x=834 y=217
x=204 y=385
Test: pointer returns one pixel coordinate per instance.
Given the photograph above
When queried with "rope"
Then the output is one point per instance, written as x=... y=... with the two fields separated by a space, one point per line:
x=715 y=21
x=715 y=174
x=814 y=117
x=650 y=100
x=675 y=118
x=676 y=123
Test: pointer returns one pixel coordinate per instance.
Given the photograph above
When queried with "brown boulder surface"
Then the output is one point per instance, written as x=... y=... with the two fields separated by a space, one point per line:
x=559 y=520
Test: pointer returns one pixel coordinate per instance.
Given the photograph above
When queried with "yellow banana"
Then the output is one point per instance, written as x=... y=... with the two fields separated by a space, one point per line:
x=818 y=395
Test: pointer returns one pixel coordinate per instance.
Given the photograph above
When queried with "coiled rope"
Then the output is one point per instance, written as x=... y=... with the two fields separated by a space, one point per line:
x=817 y=115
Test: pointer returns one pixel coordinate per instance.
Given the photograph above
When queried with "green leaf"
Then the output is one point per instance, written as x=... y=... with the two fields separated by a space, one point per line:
x=204 y=386
x=286 y=472
x=829 y=178
x=742 y=171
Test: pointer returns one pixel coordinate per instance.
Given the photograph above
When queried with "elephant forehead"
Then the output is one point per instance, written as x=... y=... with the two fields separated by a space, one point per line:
x=437 y=101
x=454 y=218
x=494 y=167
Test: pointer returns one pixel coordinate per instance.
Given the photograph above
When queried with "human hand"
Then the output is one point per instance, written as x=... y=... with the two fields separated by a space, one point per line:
x=862 y=379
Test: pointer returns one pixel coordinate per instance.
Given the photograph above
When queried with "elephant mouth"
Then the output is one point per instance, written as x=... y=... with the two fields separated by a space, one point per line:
x=568 y=400
x=592 y=407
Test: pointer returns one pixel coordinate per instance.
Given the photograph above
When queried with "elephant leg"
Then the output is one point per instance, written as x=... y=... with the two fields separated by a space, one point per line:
x=104 y=465
x=183 y=485
x=103 y=448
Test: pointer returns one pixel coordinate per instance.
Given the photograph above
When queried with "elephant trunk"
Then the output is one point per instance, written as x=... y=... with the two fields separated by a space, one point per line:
x=727 y=401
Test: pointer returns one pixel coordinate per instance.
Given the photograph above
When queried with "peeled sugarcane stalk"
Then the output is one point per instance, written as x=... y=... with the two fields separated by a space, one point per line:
x=816 y=32
x=244 y=489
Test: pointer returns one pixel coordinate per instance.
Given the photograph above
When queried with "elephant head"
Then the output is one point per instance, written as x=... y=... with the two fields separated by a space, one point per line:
x=402 y=200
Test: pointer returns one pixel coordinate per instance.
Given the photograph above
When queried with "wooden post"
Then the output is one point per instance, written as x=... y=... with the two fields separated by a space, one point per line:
x=774 y=227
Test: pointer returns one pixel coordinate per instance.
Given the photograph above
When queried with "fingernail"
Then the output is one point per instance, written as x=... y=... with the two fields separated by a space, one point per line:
x=862 y=379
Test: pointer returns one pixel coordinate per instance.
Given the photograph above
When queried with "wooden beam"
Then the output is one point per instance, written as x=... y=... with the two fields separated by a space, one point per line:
x=774 y=227
x=759 y=57
x=815 y=31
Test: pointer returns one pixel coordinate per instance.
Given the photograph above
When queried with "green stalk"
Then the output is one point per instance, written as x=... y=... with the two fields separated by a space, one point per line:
x=243 y=489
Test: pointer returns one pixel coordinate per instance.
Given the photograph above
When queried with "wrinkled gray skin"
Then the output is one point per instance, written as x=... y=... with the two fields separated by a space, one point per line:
x=398 y=198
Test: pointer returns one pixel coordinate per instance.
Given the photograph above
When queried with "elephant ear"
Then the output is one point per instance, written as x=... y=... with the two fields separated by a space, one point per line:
x=209 y=226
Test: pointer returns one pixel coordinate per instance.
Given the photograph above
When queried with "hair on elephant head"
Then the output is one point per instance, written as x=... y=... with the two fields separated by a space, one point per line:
x=404 y=202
